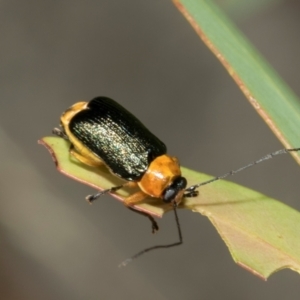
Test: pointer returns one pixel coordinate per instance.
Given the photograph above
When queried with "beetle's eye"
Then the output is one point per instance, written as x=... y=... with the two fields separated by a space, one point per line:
x=174 y=188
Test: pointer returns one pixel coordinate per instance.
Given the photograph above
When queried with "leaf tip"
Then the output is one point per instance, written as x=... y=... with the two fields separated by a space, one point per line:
x=44 y=143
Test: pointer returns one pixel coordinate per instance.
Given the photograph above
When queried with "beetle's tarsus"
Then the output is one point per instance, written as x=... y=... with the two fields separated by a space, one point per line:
x=60 y=133
x=91 y=198
x=154 y=226
x=191 y=194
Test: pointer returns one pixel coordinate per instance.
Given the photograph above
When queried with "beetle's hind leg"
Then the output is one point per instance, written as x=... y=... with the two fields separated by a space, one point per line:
x=60 y=133
x=89 y=161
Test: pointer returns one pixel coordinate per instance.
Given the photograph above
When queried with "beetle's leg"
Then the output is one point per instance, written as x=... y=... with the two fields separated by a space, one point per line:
x=191 y=193
x=59 y=132
x=153 y=222
x=92 y=198
x=85 y=160
x=136 y=198
x=129 y=201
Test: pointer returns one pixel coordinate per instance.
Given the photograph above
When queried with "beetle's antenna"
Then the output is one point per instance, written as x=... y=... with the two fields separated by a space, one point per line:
x=129 y=260
x=190 y=191
x=92 y=198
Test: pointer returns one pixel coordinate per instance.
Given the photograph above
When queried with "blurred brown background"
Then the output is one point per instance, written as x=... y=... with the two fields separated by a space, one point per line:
x=146 y=56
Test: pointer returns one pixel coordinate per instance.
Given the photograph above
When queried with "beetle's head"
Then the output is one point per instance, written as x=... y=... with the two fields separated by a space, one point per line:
x=174 y=192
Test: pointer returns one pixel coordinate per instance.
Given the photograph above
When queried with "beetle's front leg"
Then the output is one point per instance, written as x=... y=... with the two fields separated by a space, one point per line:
x=136 y=198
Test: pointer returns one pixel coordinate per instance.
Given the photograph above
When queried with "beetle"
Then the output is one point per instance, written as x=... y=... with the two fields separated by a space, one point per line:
x=103 y=133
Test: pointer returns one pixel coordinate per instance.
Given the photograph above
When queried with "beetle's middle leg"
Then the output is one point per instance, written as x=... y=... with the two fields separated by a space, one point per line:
x=60 y=132
x=129 y=202
x=92 y=198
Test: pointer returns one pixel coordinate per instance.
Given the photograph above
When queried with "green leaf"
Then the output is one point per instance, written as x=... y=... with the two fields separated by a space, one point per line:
x=268 y=94
x=261 y=233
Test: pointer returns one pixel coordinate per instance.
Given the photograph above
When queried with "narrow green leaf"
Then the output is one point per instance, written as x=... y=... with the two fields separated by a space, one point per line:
x=268 y=94
x=261 y=233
